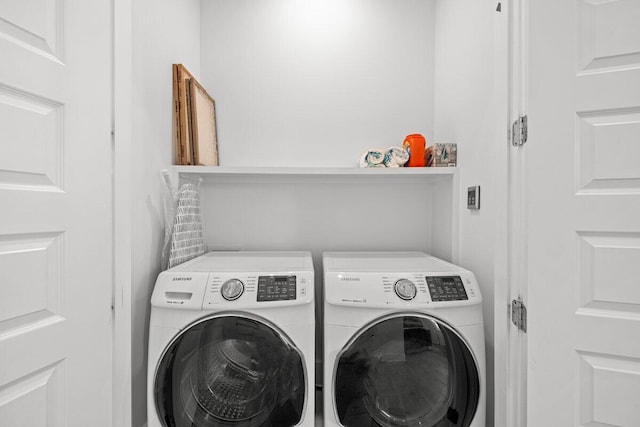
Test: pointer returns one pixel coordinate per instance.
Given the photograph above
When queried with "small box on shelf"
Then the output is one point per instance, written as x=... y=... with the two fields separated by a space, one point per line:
x=442 y=155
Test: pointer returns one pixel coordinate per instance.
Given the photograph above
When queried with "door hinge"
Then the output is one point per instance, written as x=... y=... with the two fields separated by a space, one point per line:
x=519 y=131
x=519 y=314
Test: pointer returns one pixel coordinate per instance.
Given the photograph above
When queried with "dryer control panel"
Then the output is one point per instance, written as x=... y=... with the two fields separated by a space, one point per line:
x=397 y=280
x=446 y=288
x=402 y=289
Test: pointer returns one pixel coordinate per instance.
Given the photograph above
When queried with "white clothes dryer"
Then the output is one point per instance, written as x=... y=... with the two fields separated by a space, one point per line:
x=231 y=342
x=403 y=342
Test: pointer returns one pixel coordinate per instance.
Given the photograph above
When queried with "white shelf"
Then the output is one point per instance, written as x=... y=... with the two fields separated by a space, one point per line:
x=193 y=172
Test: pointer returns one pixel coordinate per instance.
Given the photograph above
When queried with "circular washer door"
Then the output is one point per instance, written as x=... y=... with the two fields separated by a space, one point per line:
x=406 y=370
x=230 y=371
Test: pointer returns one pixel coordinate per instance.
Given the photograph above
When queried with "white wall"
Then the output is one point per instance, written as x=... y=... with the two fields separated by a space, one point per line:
x=316 y=83
x=164 y=32
x=469 y=111
x=301 y=83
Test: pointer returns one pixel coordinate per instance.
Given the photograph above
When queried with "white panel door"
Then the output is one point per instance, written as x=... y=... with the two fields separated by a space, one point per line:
x=583 y=211
x=56 y=233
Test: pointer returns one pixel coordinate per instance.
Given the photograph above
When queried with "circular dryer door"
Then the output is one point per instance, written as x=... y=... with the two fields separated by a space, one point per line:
x=230 y=371
x=407 y=370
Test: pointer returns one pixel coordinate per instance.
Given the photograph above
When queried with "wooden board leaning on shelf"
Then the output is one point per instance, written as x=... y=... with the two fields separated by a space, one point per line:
x=195 y=125
x=203 y=126
x=181 y=78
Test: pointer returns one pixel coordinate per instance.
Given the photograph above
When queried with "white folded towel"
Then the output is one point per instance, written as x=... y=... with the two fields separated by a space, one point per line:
x=395 y=157
x=372 y=158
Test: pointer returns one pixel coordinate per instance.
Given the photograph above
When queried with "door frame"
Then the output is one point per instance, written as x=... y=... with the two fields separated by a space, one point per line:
x=517 y=216
x=510 y=350
x=509 y=60
x=122 y=73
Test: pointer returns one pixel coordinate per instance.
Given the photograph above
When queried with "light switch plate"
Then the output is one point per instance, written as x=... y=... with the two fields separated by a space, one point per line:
x=473 y=197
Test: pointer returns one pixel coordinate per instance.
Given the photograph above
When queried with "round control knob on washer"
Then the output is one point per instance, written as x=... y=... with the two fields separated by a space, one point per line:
x=405 y=289
x=232 y=289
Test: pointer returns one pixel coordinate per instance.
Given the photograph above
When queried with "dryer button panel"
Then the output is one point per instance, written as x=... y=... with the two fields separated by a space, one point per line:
x=446 y=288
x=405 y=289
x=276 y=288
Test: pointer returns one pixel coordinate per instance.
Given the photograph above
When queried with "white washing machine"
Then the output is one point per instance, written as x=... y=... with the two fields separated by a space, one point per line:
x=231 y=342
x=403 y=342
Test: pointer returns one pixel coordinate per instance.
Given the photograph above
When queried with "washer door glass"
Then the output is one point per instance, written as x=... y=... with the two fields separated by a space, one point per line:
x=230 y=371
x=406 y=371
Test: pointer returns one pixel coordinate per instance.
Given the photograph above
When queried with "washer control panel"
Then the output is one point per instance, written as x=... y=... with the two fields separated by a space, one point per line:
x=276 y=288
x=237 y=280
x=236 y=291
x=232 y=289
x=446 y=288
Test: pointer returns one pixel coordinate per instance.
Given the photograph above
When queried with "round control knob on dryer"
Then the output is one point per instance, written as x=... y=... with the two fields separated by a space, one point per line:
x=232 y=289
x=405 y=289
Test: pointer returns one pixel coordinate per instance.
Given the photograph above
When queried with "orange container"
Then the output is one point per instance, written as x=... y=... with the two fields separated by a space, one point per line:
x=415 y=144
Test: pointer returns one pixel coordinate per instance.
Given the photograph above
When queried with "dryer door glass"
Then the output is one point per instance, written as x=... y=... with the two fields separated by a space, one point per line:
x=406 y=371
x=230 y=371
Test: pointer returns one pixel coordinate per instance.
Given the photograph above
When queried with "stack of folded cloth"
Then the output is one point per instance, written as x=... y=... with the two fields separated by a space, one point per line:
x=392 y=157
